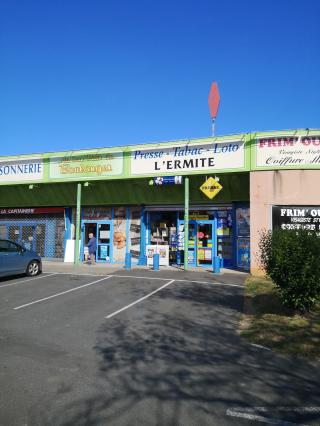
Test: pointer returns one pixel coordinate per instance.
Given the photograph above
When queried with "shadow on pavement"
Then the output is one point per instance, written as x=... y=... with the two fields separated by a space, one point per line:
x=181 y=362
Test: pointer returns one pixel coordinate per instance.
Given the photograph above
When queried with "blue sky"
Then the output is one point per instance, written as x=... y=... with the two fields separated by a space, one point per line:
x=77 y=74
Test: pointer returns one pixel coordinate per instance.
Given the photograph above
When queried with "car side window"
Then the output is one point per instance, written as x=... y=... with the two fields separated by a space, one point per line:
x=8 y=247
x=13 y=248
x=4 y=245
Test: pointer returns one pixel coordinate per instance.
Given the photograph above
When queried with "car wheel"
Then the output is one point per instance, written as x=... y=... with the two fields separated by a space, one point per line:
x=33 y=268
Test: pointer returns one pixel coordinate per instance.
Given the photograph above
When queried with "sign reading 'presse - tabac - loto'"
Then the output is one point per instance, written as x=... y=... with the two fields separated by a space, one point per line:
x=227 y=155
x=288 y=152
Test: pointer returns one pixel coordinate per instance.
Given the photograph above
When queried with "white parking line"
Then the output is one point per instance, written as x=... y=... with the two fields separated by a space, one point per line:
x=64 y=292
x=259 y=418
x=179 y=280
x=260 y=347
x=160 y=279
x=210 y=283
x=139 y=300
x=30 y=279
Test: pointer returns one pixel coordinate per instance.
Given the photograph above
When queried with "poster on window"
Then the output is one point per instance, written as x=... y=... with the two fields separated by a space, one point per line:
x=119 y=234
x=243 y=222
x=135 y=232
x=163 y=252
x=97 y=213
x=243 y=253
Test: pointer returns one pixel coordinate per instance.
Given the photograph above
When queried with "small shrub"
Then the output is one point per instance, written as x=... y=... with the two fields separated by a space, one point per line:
x=292 y=261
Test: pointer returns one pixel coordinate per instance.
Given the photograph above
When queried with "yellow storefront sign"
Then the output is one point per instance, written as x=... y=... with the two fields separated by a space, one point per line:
x=210 y=188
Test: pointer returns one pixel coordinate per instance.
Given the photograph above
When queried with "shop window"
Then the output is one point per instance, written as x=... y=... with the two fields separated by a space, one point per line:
x=135 y=232
x=119 y=234
x=163 y=231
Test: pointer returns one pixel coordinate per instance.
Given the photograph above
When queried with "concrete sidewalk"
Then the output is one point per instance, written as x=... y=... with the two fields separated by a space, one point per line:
x=199 y=274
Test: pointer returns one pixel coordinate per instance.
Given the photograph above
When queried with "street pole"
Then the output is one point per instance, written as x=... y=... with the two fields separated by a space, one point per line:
x=186 y=222
x=213 y=126
x=78 y=225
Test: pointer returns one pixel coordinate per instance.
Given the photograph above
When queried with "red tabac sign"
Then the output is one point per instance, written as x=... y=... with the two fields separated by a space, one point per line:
x=214 y=100
x=36 y=210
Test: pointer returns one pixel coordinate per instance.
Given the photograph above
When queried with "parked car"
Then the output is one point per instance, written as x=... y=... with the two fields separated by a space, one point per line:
x=16 y=259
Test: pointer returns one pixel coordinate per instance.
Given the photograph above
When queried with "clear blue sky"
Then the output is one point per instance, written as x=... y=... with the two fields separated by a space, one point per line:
x=79 y=74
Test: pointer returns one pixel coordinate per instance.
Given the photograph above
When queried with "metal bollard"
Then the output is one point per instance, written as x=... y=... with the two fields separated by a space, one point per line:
x=156 y=261
x=128 y=261
x=142 y=260
x=216 y=265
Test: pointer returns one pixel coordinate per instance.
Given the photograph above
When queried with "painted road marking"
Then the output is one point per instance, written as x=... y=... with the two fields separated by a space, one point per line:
x=30 y=279
x=259 y=418
x=139 y=300
x=161 y=279
x=259 y=414
x=180 y=280
x=64 y=292
x=260 y=347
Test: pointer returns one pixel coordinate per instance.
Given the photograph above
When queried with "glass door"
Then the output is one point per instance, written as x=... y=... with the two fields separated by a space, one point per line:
x=192 y=252
x=104 y=242
x=205 y=243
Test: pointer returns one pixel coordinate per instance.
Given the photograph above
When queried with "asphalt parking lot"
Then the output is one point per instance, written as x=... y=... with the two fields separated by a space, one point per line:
x=141 y=348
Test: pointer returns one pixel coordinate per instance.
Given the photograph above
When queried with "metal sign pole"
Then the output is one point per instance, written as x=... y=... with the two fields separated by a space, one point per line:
x=186 y=222
x=213 y=126
x=78 y=225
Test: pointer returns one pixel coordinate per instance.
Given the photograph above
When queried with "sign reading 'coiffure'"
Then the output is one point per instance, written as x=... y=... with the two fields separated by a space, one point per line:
x=288 y=151
x=188 y=157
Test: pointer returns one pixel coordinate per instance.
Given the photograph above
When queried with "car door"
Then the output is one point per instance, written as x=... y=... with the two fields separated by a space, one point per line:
x=3 y=257
x=11 y=258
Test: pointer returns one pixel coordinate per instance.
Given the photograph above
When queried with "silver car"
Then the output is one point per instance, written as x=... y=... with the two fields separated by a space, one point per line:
x=16 y=259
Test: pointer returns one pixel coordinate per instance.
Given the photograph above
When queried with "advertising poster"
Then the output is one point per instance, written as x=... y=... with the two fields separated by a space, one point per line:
x=296 y=218
x=163 y=252
x=97 y=213
x=243 y=253
x=243 y=222
x=119 y=234
x=135 y=232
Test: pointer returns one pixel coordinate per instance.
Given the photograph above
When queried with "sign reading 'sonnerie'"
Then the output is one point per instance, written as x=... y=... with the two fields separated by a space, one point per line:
x=28 y=169
x=288 y=152
x=189 y=157
x=296 y=218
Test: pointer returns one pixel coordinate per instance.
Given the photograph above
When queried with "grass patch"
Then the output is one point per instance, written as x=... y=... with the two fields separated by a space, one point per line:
x=266 y=322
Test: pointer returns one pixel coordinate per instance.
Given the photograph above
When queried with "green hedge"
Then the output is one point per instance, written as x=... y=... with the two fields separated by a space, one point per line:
x=292 y=260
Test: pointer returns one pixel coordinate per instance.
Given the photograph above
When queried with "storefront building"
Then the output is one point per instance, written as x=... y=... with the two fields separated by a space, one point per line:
x=48 y=201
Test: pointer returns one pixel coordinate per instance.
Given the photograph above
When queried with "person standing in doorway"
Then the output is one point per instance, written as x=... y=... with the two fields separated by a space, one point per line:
x=92 y=248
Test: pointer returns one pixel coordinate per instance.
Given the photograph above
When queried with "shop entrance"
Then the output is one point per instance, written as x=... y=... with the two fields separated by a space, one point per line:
x=103 y=232
x=202 y=242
